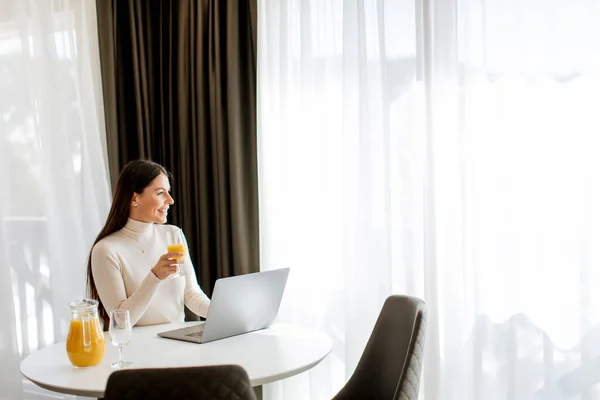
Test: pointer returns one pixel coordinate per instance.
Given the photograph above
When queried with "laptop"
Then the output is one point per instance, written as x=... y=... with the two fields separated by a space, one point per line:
x=240 y=304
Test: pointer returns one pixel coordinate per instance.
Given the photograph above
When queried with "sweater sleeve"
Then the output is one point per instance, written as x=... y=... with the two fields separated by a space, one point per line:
x=106 y=270
x=195 y=299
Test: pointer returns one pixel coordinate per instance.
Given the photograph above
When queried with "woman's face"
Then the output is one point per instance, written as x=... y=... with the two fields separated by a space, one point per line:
x=152 y=205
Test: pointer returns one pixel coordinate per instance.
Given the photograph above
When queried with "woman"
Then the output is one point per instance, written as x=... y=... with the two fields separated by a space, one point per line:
x=128 y=268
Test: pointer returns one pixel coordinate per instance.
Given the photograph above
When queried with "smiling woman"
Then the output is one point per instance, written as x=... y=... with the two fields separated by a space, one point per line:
x=130 y=267
x=152 y=205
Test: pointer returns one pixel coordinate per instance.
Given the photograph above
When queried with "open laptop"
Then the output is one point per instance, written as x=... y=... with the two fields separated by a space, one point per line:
x=239 y=304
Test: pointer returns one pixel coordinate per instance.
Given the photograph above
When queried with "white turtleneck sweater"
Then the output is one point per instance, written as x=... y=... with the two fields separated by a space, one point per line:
x=122 y=268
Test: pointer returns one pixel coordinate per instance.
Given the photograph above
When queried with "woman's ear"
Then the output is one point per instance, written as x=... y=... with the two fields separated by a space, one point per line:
x=134 y=200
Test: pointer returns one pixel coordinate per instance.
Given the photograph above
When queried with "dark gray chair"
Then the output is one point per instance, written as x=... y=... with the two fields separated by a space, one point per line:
x=219 y=382
x=390 y=366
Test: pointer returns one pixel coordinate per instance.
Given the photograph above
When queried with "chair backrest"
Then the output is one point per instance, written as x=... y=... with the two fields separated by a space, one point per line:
x=390 y=366
x=219 y=382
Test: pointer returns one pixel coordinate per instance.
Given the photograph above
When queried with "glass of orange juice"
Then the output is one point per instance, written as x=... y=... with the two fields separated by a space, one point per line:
x=175 y=245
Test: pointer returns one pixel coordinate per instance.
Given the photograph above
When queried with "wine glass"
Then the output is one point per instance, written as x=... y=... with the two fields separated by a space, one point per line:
x=175 y=245
x=119 y=332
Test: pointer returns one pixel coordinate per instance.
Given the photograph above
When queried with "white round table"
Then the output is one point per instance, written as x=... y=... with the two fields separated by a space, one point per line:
x=268 y=355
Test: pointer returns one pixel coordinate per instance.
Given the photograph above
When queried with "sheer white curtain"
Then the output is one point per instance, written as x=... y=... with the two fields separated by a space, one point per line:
x=444 y=149
x=55 y=192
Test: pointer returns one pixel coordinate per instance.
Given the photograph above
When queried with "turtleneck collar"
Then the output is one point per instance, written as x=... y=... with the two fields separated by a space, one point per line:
x=138 y=229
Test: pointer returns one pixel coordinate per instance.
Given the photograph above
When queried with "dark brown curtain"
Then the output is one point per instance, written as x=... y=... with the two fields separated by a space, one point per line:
x=179 y=80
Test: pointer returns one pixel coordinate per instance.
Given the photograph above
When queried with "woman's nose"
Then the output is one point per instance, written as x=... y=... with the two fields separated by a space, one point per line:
x=170 y=200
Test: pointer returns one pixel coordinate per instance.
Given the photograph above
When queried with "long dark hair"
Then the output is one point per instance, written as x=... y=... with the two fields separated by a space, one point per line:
x=134 y=178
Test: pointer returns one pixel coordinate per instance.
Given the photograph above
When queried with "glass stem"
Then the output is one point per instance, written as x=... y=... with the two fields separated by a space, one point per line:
x=120 y=354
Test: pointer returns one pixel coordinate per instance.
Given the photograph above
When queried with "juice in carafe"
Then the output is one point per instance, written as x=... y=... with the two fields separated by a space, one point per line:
x=85 y=341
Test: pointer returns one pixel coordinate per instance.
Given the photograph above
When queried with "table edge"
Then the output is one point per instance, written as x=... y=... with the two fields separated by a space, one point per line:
x=289 y=374
x=60 y=389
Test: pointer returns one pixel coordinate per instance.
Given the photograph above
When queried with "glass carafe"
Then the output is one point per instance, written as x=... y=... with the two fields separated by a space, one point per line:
x=85 y=342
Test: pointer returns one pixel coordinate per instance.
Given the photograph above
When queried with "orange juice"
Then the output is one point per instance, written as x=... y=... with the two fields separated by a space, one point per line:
x=176 y=248
x=85 y=352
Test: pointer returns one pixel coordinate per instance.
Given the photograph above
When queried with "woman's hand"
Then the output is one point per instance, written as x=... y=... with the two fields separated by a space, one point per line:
x=167 y=264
